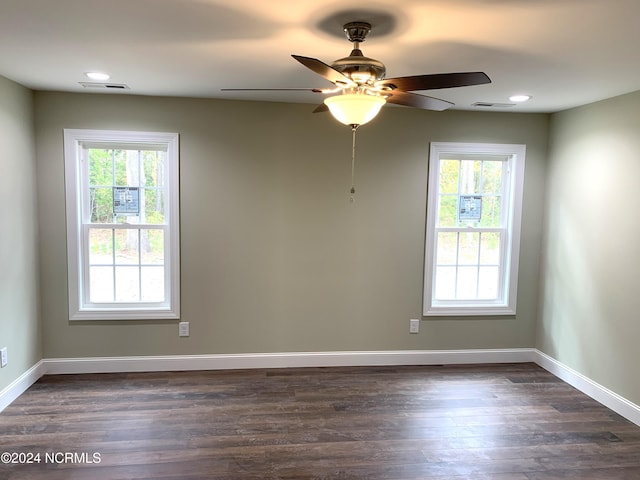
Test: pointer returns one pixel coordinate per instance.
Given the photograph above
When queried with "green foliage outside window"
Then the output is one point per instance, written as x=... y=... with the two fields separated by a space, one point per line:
x=465 y=177
x=109 y=168
x=132 y=168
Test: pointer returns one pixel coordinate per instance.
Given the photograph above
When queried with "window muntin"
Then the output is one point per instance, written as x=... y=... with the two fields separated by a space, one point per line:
x=473 y=223
x=122 y=203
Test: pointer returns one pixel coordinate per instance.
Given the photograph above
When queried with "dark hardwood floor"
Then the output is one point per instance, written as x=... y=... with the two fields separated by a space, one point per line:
x=498 y=422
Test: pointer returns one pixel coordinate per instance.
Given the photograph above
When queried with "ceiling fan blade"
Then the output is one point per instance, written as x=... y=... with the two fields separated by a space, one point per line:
x=316 y=90
x=321 y=108
x=418 y=101
x=324 y=70
x=438 y=80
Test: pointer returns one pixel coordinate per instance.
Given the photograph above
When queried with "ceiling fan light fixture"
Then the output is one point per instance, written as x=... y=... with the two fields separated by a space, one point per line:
x=354 y=108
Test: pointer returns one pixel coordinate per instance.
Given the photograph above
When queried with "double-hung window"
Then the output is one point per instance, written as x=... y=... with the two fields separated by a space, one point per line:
x=473 y=229
x=122 y=224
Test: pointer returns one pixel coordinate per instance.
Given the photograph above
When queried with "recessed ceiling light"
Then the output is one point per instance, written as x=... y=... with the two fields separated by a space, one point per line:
x=97 y=76
x=519 y=98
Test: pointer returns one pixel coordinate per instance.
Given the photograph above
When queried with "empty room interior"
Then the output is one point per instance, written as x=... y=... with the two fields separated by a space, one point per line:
x=195 y=241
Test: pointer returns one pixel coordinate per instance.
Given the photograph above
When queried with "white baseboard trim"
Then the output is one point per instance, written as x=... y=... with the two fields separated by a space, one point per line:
x=601 y=394
x=283 y=360
x=53 y=366
x=20 y=385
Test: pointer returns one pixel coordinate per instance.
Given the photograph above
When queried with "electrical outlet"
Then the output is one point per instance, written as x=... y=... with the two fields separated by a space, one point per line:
x=3 y=357
x=183 y=329
x=414 y=325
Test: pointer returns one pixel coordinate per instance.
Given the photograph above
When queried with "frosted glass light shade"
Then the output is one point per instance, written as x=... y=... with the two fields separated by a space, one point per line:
x=354 y=108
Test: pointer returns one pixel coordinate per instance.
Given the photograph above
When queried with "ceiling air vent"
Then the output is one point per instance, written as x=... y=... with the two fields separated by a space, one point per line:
x=108 y=86
x=493 y=105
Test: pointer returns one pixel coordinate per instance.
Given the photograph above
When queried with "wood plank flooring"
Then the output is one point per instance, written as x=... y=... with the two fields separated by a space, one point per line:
x=480 y=422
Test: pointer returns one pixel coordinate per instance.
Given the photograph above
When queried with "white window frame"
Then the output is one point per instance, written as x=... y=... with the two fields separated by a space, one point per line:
x=78 y=217
x=505 y=304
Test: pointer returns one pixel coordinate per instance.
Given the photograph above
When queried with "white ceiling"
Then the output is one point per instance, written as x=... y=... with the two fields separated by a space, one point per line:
x=564 y=53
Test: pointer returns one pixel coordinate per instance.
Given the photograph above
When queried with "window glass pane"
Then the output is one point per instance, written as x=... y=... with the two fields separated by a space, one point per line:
x=120 y=166
x=127 y=284
x=467 y=283
x=153 y=166
x=491 y=211
x=488 y=283
x=492 y=177
x=101 y=246
x=127 y=168
x=152 y=247
x=101 y=284
x=101 y=206
x=448 y=211
x=470 y=176
x=126 y=220
x=490 y=248
x=100 y=167
x=445 y=288
x=152 y=284
x=132 y=168
x=468 y=243
x=126 y=247
x=447 y=248
x=153 y=200
x=449 y=170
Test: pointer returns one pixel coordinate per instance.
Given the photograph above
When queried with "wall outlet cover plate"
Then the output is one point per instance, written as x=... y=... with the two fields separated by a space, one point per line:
x=183 y=329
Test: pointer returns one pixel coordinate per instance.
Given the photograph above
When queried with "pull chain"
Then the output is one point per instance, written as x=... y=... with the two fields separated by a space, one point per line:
x=353 y=163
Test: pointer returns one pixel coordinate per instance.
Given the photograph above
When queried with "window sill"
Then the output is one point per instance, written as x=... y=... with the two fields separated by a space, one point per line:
x=125 y=314
x=470 y=311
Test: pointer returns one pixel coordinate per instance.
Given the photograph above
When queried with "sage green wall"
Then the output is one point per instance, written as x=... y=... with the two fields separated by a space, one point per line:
x=19 y=322
x=274 y=257
x=590 y=299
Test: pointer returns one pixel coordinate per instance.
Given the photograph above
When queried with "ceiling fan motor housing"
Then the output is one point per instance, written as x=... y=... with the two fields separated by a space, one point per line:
x=361 y=69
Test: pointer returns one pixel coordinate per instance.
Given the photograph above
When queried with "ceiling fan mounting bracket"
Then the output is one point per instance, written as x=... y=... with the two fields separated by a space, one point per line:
x=357 y=31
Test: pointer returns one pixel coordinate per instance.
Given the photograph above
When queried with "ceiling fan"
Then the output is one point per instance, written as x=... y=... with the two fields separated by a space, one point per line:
x=361 y=87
